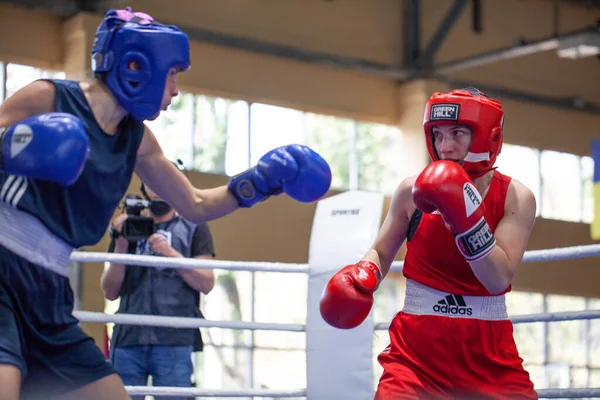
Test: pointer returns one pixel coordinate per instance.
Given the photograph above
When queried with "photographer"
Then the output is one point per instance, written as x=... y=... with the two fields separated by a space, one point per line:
x=163 y=353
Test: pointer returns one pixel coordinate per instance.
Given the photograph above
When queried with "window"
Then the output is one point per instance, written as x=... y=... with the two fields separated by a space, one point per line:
x=2 y=82
x=594 y=336
x=220 y=135
x=226 y=360
x=173 y=129
x=380 y=166
x=562 y=183
x=331 y=137
x=561 y=186
x=275 y=369
x=523 y=164
x=18 y=76
x=272 y=127
x=587 y=176
x=529 y=337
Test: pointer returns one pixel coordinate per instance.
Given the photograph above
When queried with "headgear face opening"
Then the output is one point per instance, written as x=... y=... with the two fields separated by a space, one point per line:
x=124 y=39
x=482 y=114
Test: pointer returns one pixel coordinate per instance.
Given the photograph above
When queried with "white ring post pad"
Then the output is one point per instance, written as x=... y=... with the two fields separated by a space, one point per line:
x=339 y=365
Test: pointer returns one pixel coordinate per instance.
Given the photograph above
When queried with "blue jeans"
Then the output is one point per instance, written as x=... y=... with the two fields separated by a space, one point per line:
x=168 y=366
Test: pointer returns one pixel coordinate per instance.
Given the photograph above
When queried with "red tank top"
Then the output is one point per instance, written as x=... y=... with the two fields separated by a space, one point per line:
x=432 y=257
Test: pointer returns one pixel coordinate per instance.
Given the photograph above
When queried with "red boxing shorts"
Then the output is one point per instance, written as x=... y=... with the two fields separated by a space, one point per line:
x=446 y=346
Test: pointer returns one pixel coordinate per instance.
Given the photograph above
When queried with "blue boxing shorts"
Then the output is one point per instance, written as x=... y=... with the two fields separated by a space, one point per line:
x=39 y=335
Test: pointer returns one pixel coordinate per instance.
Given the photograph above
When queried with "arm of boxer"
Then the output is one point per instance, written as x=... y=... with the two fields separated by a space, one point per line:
x=196 y=205
x=37 y=143
x=36 y=98
x=444 y=186
x=497 y=270
x=201 y=280
x=348 y=296
x=394 y=230
x=294 y=170
x=52 y=147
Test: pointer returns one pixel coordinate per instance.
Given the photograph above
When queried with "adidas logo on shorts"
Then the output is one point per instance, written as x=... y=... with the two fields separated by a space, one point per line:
x=453 y=304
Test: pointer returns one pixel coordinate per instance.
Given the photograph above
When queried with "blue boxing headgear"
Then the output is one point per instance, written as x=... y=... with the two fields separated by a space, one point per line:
x=125 y=39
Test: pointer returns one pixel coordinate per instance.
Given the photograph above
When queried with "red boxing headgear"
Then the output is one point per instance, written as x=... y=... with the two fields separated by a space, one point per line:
x=472 y=108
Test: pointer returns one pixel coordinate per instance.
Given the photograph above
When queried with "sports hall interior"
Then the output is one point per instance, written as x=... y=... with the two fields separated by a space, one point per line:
x=351 y=77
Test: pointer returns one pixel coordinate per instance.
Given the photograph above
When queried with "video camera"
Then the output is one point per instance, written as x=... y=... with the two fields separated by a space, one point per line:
x=136 y=227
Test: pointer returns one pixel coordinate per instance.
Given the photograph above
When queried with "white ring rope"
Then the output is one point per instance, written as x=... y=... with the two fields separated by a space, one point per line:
x=528 y=318
x=574 y=393
x=182 y=322
x=203 y=393
x=557 y=316
x=229 y=393
x=560 y=253
x=187 y=263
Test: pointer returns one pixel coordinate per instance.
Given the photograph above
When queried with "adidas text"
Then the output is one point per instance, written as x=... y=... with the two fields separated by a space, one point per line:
x=454 y=310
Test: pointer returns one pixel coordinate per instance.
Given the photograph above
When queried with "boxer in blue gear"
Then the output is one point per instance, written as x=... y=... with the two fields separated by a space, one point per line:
x=68 y=151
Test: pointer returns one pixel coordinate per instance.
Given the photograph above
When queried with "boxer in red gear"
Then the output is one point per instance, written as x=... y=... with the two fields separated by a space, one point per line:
x=467 y=227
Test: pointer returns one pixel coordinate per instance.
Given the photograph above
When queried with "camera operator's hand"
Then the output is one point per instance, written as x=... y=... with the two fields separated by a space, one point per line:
x=160 y=245
x=121 y=243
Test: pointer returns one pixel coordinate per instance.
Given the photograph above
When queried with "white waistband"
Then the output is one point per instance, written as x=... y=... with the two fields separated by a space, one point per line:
x=26 y=236
x=423 y=300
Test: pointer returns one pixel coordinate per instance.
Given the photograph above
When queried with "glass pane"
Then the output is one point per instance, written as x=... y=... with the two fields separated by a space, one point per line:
x=271 y=127
x=537 y=374
x=2 y=85
x=595 y=377
x=557 y=376
x=222 y=368
x=594 y=335
x=523 y=164
x=220 y=135
x=530 y=341
x=173 y=129
x=379 y=166
x=566 y=338
x=579 y=377
x=529 y=337
x=561 y=186
x=587 y=177
x=290 y=290
x=275 y=340
x=231 y=298
x=566 y=342
x=331 y=138
x=18 y=76
x=280 y=370
x=558 y=303
x=519 y=303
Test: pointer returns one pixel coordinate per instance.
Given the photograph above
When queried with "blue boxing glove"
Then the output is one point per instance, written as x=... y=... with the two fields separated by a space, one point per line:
x=51 y=147
x=294 y=169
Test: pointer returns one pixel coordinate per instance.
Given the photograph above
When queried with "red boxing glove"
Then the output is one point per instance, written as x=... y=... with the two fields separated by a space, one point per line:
x=348 y=296
x=445 y=186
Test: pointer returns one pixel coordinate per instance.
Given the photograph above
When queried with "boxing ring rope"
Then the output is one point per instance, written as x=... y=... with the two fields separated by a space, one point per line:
x=203 y=393
x=561 y=253
x=183 y=322
x=180 y=322
x=188 y=263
